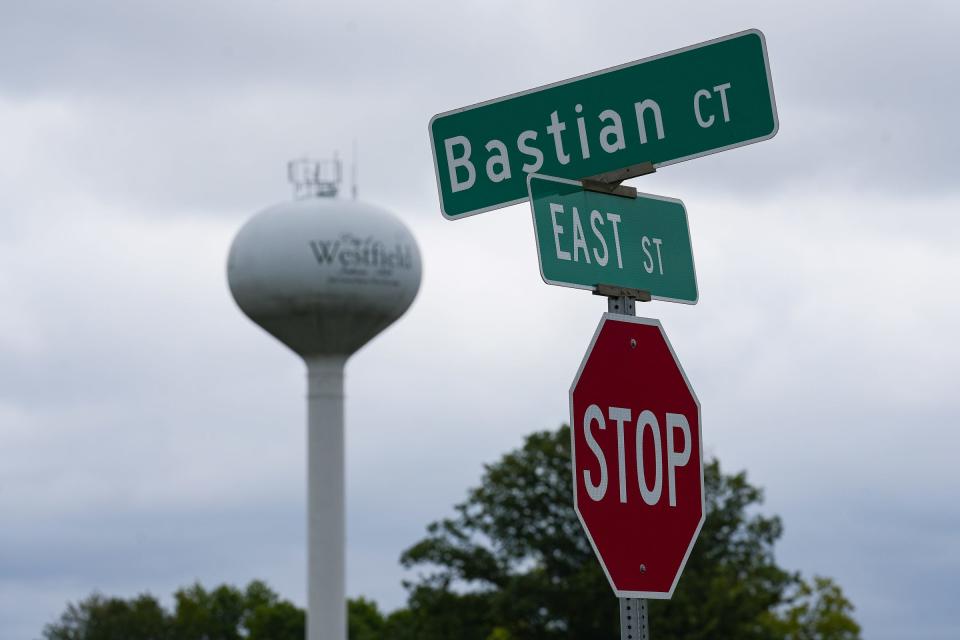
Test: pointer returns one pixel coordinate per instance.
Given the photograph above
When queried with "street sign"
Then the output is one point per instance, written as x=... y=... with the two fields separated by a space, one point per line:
x=585 y=238
x=674 y=106
x=637 y=456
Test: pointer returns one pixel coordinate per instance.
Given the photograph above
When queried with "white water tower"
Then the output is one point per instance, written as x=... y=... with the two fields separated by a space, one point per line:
x=324 y=275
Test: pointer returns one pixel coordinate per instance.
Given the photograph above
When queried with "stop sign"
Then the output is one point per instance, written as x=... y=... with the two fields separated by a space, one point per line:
x=637 y=456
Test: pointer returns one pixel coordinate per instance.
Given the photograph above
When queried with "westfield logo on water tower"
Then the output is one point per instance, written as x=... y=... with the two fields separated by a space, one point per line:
x=359 y=257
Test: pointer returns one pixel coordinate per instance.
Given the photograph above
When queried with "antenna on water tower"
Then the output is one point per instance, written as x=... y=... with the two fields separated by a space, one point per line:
x=314 y=178
x=324 y=276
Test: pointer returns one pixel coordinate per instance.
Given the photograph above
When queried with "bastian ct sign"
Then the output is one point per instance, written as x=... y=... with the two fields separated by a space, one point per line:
x=678 y=105
x=637 y=456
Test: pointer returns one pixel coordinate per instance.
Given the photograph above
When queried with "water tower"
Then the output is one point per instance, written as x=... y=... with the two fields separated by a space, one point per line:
x=324 y=275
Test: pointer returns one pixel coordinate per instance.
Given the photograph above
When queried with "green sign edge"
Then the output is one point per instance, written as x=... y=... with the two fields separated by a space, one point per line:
x=773 y=108
x=584 y=287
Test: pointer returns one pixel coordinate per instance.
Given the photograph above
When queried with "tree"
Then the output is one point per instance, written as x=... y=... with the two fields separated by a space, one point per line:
x=225 y=613
x=514 y=563
x=817 y=611
x=364 y=620
x=99 y=618
x=270 y=618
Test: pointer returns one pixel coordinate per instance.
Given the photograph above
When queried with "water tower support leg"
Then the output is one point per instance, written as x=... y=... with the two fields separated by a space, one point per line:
x=326 y=527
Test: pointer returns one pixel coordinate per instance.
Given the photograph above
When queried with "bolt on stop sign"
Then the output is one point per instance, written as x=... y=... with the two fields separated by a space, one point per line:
x=637 y=456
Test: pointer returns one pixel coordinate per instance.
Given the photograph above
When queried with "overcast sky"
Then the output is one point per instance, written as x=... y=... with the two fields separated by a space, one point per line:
x=151 y=436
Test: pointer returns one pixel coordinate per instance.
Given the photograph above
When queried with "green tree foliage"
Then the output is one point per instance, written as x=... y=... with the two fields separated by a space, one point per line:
x=268 y=617
x=364 y=620
x=225 y=613
x=99 y=618
x=514 y=557
x=513 y=562
x=817 y=611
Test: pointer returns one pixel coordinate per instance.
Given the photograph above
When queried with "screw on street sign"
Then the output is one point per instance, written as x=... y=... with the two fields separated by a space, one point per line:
x=637 y=459
x=585 y=238
x=675 y=106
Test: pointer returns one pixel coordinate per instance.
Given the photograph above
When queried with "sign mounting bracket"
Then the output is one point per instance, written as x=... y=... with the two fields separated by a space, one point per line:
x=609 y=181
x=621 y=299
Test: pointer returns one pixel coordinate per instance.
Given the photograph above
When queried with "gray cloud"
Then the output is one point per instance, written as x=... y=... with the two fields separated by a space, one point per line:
x=184 y=106
x=153 y=436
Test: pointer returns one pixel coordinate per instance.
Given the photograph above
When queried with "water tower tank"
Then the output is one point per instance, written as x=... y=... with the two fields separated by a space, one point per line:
x=324 y=275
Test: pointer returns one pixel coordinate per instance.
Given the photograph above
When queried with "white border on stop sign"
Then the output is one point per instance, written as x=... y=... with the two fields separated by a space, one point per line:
x=653 y=322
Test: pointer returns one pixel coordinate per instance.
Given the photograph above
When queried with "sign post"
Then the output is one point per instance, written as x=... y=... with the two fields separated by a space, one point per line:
x=587 y=238
x=661 y=110
x=634 y=620
x=636 y=456
x=637 y=459
x=636 y=447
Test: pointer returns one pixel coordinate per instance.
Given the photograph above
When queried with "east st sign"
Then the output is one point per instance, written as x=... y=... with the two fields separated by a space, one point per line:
x=679 y=105
x=636 y=456
x=585 y=239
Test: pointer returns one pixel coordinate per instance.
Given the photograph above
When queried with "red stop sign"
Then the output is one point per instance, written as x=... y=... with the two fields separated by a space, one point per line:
x=637 y=456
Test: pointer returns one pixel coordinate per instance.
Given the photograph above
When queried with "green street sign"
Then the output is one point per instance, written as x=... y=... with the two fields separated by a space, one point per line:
x=585 y=239
x=676 y=106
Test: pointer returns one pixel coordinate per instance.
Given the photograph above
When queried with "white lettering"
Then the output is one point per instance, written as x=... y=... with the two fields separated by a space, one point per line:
x=533 y=152
x=579 y=241
x=645 y=245
x=615 y=129
x=463 y=161
x=620 y=415
x=582 y=129
x=676 y=458
x=644 y=420
x=596 y=218
x=555 y=129
x=699 y=95
x=641 y=108
x=658 y=242
x=556 y=208
x=501 y=158
x=615 y=219
x=722 y=90
x=595 y=491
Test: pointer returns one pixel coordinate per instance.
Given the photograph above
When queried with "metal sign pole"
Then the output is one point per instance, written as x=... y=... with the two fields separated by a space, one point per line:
x=633 y=611
x=633 y=619
x=622 y=301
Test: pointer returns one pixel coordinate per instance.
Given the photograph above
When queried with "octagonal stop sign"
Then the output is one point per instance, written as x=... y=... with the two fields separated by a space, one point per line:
x=637 y=456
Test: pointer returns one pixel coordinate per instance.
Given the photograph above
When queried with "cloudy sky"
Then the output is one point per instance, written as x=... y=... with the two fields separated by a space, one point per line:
x=150 y=435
